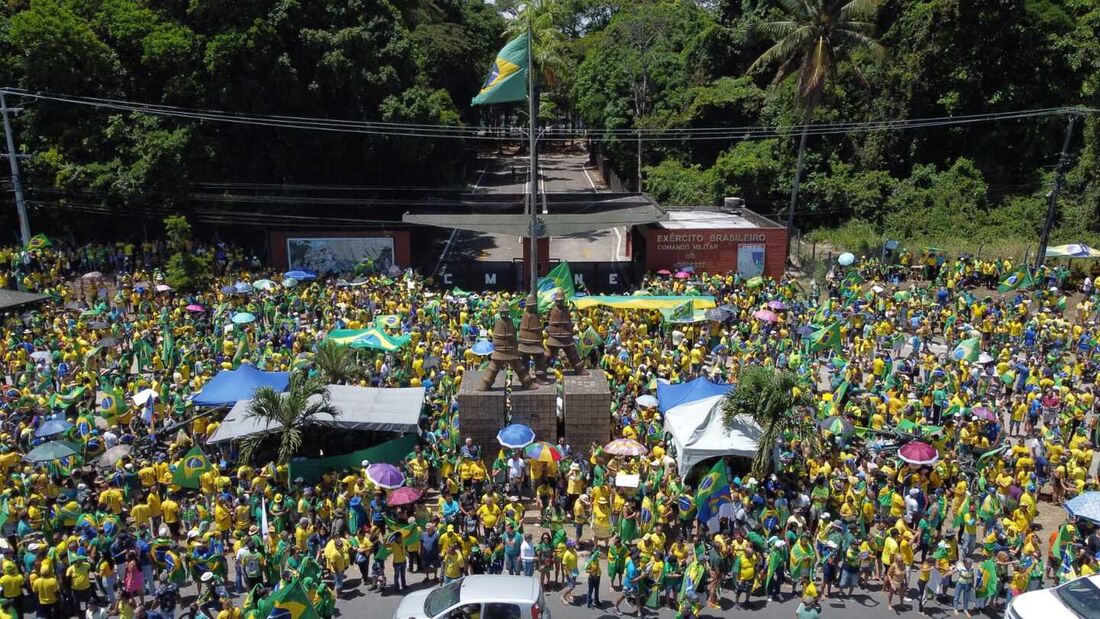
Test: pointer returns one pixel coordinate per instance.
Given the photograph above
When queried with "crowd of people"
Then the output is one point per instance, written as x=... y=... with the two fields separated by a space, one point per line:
x=838 y=512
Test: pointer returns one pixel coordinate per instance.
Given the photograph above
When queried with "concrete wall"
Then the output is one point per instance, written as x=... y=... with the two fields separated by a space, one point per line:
x=713 y=250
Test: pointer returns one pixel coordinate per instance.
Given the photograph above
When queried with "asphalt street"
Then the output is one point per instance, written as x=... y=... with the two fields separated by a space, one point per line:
x=558 y=173
x=863 y=605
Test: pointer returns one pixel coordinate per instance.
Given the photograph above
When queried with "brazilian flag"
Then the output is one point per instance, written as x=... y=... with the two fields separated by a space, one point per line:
x=292 y=602
x=558 y=280
x=1020 y=279
x=39 y=241
x=194 y=464
x=507 y=79
x=826 y=337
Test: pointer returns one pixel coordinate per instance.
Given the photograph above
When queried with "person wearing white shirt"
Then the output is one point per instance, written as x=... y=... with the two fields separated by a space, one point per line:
x=527 y=555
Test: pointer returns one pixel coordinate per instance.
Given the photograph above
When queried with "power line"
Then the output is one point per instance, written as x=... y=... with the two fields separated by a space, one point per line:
x=421 y=130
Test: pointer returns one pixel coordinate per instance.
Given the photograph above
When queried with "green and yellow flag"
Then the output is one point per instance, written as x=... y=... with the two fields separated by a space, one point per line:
x=292 y=602
x=39 y=241
x=559 y=279
x=194 y=464
x=826 y=337
x=507 y=79
x=1020 y=279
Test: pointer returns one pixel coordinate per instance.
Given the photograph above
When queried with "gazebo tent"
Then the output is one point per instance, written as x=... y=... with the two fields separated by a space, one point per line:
x=231 y=386
x=699 y=433
x=361 y=408
x=670 y=396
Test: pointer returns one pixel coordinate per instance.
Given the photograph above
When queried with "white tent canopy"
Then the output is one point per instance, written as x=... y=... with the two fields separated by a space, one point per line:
x=361 y=408
x=699 y=433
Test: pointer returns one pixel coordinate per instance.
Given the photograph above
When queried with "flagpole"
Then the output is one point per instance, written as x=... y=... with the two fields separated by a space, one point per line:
x=533 y=187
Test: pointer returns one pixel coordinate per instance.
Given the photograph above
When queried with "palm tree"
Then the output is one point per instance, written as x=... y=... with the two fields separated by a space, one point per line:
x=336 y=363
x=813 y=38
x=285 y=415
x=544 y=18
x=767 y=396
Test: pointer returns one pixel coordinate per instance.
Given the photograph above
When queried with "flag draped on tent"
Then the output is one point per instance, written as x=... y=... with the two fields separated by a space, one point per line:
x=194 y=464
x=559 y=279
x=1016 y=281
x=967 y=350
x=713 y=492
x=507 y=79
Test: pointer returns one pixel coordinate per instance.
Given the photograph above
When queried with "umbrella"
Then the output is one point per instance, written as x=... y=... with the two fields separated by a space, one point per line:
x=805 y=330
x=195 y=307
x=242 y=287
x=263 y=284
x=543 y=452
x=289 y=282
x=718 y=314
x=385 y=475
x=646 y=401
x=754 y=282
x=516 y=436
x=162 y=288
x=107 y=342
x=54 y=450
x=42 y=355
x=432 y=362
x=918 y=453
x=52 y=427
x=682 y=275
x=74 y=305
x=243 y=318
x=113 y=455
x=984 y=358
x=982 y=412
x=765 y=315
x=837 y=425
x=482 y=347
x=777 y=305
x=98 y=325
x=300 y=275
x=1085 y=505
x=141 y=286
x=664 y=272
x=404 y=496
x=625 y=447
x=92 y=275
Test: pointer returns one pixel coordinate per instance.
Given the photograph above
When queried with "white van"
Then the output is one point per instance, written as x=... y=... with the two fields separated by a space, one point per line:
x=481 y=596
x=1076 y=599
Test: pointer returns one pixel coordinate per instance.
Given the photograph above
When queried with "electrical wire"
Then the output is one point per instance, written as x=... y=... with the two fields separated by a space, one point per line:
x=422 y=130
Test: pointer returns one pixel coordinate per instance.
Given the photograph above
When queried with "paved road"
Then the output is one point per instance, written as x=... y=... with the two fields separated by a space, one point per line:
x=558 y=173
x=866 y=605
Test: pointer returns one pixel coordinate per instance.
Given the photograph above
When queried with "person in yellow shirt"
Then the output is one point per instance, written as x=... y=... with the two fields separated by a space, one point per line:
x=46 y=587
x=170 y=513
x=336 y=560
x=79 y=577
x=569 y=568
x=11 y=587
x=454 y=564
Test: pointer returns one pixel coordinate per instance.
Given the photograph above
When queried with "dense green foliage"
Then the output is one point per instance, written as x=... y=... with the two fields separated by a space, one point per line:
x=605 y=63
x=186 y=270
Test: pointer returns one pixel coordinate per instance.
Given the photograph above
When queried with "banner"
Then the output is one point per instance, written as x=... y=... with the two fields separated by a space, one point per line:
x=390 y=452
x=647 y=302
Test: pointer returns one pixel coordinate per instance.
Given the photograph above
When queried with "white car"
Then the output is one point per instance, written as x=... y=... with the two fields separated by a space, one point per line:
x=1076 y=599
x=481 y=596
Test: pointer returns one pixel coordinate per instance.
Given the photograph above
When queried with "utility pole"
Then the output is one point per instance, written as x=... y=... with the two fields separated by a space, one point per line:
x=13 y=160
x=1059 y=175
x=533 y=191
x=639 y=161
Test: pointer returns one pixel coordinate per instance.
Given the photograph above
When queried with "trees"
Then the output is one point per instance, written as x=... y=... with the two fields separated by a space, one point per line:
x=814 y=36
x=186 y=270
x=286 y=415
x=336 y=363
x=767 y=396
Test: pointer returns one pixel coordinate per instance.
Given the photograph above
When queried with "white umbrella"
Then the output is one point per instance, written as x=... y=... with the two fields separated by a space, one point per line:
x=143 y=396
x=647 y=401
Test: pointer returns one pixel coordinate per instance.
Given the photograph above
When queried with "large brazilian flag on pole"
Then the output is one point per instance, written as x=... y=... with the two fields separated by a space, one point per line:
x=507 y=79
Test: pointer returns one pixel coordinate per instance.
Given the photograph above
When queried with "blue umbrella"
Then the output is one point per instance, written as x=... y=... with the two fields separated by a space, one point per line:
x=1085 y=505
x=516 y=436
x=290 y=282
x=301 y=275
x=242 y=287
x=52 y=427
x=482 y=347
x=242 y=318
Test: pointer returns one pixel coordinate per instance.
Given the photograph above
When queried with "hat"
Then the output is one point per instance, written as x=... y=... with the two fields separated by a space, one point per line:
x=450 y=528
x=207 y=576
x=831 y=544
x=913 y=492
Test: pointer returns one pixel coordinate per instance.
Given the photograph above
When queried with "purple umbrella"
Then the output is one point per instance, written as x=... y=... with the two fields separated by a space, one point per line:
x=765 y=315
x=777 y=305
x=385 y=476
x=918 y=453
x=982 y=412
x=404 y=496
x=682 y=275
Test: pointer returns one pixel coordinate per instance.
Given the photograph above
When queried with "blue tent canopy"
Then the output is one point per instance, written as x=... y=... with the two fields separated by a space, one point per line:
x=685 y=393
x=229 y=386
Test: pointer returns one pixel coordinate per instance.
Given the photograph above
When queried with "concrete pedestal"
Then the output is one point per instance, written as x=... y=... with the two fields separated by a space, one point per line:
x=587 y=410
x=481 y=414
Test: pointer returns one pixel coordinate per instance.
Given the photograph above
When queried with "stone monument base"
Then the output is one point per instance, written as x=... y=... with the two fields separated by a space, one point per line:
x=481 y=414
x=587 y=410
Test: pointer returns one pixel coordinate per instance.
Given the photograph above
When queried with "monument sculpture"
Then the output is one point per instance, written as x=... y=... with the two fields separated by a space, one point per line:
x=530 y=339
x=505 y=353
x=560 y=336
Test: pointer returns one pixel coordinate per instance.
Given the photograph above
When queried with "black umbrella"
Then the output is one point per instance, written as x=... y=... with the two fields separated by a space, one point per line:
x=432 y=362
x=717 y=314
x=98 y=325
x=107 y=342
